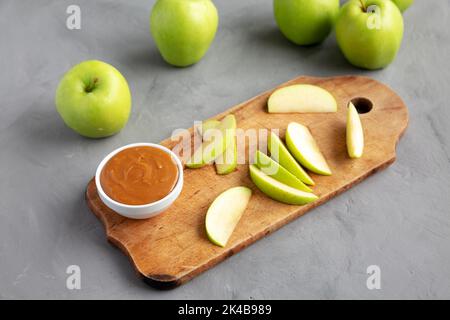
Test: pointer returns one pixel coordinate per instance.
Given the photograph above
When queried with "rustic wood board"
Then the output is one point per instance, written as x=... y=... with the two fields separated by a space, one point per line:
x=172 y=248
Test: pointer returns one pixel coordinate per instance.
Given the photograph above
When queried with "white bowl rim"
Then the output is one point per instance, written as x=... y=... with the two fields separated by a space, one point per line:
x=131 y=145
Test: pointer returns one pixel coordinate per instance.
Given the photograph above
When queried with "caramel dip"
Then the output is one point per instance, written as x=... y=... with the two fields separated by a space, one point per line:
x=139 y=175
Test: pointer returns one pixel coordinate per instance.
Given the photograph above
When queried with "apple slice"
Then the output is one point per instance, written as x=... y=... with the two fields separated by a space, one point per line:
x=224 y=214
x=273 y=169
x=227 y=161
x=355 y=133
x=305 y=149
x=215 y=144
x=279 y=191
x=280 y=154
x=301 y=98
x=209 y=124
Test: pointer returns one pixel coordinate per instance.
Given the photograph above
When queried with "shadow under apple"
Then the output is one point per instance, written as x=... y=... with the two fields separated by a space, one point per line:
x=320 y=59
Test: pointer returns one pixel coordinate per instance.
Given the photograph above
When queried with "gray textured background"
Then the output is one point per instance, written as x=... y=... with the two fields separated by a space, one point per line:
x=398 y=219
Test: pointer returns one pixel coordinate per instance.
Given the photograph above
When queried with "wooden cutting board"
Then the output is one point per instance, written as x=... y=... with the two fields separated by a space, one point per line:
x=172 y=248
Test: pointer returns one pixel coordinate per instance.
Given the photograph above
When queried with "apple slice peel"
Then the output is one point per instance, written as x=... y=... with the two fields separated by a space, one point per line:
x=278 y=172
x=279 y=191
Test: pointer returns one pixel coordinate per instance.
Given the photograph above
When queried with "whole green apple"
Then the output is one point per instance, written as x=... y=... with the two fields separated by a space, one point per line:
x=369 y=32
x=305 y=22
x=93 y=99
x=183 y=29
x=403 y=4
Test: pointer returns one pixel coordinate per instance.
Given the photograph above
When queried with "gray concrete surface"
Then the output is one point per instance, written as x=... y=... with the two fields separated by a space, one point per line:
x=398 y=219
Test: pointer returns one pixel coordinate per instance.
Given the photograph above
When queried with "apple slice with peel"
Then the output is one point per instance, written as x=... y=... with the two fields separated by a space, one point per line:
x=224 y=214
x=214 y=144
x=305 y=149
x=280 y=154
x=227 y=161
x=279 y=191
x=273 y=169
x=301 y=98
x=209 y=124
x=355 y=133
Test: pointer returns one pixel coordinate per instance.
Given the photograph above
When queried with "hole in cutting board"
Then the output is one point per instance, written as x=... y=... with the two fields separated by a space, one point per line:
x=362 y=105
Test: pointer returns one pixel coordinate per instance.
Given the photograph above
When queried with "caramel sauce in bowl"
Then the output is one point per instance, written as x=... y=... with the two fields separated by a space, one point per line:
x=139 y=180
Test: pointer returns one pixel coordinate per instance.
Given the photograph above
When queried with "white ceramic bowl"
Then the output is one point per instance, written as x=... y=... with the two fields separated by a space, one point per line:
x=146 y=210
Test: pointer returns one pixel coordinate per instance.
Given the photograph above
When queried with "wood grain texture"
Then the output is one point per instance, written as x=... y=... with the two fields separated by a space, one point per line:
x=172 y=248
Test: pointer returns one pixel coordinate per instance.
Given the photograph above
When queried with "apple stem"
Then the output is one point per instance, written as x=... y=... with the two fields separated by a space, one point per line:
x=91 y=85
x=363 y=5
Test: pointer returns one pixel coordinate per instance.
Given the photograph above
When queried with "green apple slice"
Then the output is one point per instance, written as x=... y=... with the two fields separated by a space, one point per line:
x=301 y=98
x=224 y=214
x=279 y=191
x=355 y=133
x=273 y=169
x=227 y=161
x=207 y=125
x=280 y=154
x=215 y=144
x=305 y=149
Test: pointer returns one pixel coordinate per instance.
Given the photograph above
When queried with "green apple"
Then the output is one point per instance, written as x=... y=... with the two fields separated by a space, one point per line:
x=279 y=191
x=214 y=144
x=302 y=145
x=301 y=98
x=403 y=4
x=273 y=169
x=224 y=214
x=280 y=154
x=305 y=22
x=183 y=29
x=93 y=99
x=355 y=133
x=369 y=32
